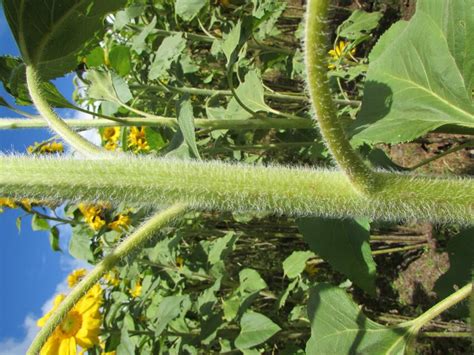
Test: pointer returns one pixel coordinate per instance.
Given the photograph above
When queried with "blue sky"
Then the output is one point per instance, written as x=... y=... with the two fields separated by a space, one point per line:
x=30 y=272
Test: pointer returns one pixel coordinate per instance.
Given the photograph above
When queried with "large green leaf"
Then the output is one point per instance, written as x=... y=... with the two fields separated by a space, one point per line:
x=294 y=264
x=255 y=329
x=107 y=86
x=51 y=33
x=339 y=327
x=420 y=75
x=345 y=245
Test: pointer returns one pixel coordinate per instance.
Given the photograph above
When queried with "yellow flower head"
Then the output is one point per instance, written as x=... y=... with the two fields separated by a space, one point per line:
x=81 y=326
x=76 y=276
x=46 y=148
x=93 y=215
x=339 y=52
x=110 y=136
x=137 y=140
x=136 y=291
x=7 y=202
x=120 y=223
x=179 y=262
x=111 y=278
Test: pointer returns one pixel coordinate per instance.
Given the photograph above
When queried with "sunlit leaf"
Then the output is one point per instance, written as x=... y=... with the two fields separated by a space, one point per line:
x=420 y=75
x=359 y=24
x=296 y=262
x=188 y=9
x=168 y=52
x=255 y=329
x=339 y=327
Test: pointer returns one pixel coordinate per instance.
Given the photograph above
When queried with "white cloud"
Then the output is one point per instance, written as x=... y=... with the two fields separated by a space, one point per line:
x=11 y=346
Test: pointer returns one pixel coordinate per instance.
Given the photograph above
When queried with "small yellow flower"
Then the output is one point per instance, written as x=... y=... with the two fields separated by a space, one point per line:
x=136 y=291
x=110 y=136
x=76 y=276
x=179 y=262
x=111 y=278
x=93 y=215
x=81 y=326
x=26 y=204
x=121 y=223
x=137 y=140
x=46 y=148
x=339 y=52
x=7 y=202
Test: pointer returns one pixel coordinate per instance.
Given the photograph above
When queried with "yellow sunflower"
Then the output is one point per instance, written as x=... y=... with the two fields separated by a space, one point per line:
x=120 y=223
x=93 y=215
x=137 y=140
x=80 y=327
x=339 y=52
x=111 y=135
x=76 y=276
x=136 y=291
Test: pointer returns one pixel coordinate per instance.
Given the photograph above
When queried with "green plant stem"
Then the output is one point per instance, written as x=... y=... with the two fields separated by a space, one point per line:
x=131 y=243
x=210 y=92
x=455 y=149
x=55 y=123
x=202 y=123
x=235 y=187
x=360 y=175
x=445 y=334
x=456 y=297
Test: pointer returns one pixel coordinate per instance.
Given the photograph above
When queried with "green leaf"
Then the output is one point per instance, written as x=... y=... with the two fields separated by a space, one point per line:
x=359 y=24
x=344 y=244
x=339 y=327
x=251 y=93
x=188 y=9
x=420 y=75
x=39 y=224
x=107 y=86
x=120 y=60
x=95 y=58
x=169 y=309
x=255 y=329
x=168 y=52
x=186 y=125
x=251 y=281
x=13 y=77
x=125 y=16
x=461 y=254
x=284 y=296
x=54 y=239
x=139 y=41
x=51 y=33
x=294 y=265
x=231 y=41
x=80 y=243
x=222 y=247
x=17 y=223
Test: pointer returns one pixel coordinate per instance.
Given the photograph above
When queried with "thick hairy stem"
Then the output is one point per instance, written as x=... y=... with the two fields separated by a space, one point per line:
x=360 y=176
x=213 y=124
x=131 y=243
x=55 y=123
x=235 y=187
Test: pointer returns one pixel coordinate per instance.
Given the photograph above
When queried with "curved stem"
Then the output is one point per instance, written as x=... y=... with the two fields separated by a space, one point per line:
x=235 y=187
x=59 y=126
x=360 y=175
x=134 y=241
x=440 y=307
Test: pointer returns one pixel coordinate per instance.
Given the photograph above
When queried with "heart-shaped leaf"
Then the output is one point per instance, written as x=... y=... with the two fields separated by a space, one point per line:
x=255 y=329
x=420 y=75
x=339 y=327
x=51 y=33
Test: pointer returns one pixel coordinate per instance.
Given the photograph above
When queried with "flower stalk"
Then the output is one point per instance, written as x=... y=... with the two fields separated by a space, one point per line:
x=131 y=243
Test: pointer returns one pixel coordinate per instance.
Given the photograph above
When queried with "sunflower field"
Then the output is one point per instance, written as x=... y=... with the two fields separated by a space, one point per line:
x=271 y=176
